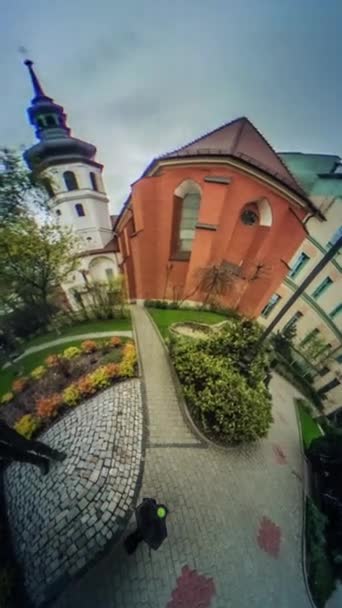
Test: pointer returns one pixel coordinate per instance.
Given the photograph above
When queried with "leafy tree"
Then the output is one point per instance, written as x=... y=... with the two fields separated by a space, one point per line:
x=20 y=191
x=35 y=258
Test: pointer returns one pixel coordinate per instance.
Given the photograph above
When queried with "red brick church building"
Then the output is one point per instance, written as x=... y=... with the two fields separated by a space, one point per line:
x=225 y=197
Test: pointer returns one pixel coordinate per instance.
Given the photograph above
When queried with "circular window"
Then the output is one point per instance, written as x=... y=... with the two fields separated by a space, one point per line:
x=249 y=217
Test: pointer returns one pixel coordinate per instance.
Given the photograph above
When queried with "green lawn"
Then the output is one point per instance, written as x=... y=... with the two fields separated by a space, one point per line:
x=28 y=363
x=165 y=318
x=309 y=427
x=83 y=328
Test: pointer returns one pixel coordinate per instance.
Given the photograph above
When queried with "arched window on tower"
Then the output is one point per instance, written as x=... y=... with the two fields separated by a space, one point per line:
x=93 y=179
x=51 y=120
x=70 y=180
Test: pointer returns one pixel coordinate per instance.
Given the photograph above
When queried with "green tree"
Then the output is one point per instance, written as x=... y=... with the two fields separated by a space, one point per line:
x=20 y=191
x=35 y=259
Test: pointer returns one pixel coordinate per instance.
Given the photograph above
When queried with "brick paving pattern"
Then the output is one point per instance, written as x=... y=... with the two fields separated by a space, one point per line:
x=62 y=521
x=219 y=501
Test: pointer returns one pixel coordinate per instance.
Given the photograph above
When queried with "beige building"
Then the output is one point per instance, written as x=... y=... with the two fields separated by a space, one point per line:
x=318 y=312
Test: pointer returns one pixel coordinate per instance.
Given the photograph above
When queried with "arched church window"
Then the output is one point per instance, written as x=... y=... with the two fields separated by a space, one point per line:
x=93 y=179
x=40 y=122
x=70 y=180
x=189 y=216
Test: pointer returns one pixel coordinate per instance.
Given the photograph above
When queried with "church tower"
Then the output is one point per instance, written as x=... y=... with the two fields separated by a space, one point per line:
x=72 y=176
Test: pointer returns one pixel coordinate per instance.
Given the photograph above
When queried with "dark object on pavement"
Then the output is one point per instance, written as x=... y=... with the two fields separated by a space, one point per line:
x=15 y=447
x=151 y=525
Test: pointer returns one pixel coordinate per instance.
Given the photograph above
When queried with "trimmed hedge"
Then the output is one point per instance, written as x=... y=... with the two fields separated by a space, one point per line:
x=320 y=572
x=230 y=405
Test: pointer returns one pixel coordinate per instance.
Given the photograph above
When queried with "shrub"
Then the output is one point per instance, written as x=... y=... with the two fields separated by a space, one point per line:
x=99 y=378
x=115 y=341
x=320 y=573
x=27 y=425
x=72 y=394
x=71 y=352
x=7 y=397
x=52 y=361
x=219 y=396
x=47 y=407
x=113 y=370
x=38 y=372
x=86 y=386
x=88 y=346
x=20 y=384
x=128 y=363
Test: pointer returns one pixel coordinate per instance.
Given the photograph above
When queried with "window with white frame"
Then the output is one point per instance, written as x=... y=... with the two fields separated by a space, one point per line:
x=273 y=301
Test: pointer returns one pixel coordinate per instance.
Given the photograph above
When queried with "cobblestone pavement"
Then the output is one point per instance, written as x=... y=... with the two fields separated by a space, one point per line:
x=63 y=521
x=235 y=516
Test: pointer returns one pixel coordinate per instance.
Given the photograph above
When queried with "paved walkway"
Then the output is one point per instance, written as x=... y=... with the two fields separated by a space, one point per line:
x=71 y=338
x=63 y=521
x=235 y=518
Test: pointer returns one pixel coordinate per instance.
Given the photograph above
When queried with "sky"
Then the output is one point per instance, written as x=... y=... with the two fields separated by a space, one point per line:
x=142 y=77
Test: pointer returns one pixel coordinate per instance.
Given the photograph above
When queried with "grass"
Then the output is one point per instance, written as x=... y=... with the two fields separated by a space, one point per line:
x=82 y=328
x=165 y=318
x=309 y=427
x=28 y=363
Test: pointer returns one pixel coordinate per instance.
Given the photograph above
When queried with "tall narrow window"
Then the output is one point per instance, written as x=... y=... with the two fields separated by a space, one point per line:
x=270 y=305
x=336 y=311
x=299 y=263
x=80 y=210
x=48 y=187
x=70 y=180
x=310 y=336
x=109 y=273
x=93 y=179
x=322 y=287
x=190 y=208
x=293 y=319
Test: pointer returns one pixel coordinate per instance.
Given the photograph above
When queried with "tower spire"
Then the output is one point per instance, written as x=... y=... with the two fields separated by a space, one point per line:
x=37 y=87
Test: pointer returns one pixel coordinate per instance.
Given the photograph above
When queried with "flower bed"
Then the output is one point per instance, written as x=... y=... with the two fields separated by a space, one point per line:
x=37 y=400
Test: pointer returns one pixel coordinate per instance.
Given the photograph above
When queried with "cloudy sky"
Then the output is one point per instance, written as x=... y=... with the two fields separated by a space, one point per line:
x=141 y=77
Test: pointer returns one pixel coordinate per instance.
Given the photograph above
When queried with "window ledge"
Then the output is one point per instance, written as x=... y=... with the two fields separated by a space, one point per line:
x=180 y=256
x=206 y=226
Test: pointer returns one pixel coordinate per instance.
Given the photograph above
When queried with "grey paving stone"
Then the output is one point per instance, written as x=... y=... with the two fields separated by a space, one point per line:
x=53 y=518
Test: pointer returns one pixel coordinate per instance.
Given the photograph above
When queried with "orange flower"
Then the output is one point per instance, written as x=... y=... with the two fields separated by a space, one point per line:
x=113 y=370
x=52 y=360
x=85 y=386
x=89 y=346
x=115 y=341
x=19 y=385
x=47 y=407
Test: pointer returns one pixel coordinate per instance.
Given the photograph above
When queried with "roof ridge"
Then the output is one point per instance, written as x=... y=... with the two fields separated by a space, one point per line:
x=190 y=143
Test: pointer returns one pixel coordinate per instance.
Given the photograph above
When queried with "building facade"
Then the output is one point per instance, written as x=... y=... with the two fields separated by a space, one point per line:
x=77 y=196
x=317 y=314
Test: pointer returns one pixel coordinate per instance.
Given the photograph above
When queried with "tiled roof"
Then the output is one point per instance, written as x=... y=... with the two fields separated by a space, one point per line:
x=111 y=247
x=240 y=139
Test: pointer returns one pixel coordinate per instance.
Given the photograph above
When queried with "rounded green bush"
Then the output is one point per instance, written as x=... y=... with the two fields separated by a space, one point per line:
x=232 y=406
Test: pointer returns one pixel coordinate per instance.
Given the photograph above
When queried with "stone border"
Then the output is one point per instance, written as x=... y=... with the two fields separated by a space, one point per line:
x=183 y=407
x=304 y=495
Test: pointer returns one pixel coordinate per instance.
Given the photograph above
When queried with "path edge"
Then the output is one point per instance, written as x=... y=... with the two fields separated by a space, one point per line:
x=304 y=495
x=181 y=401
